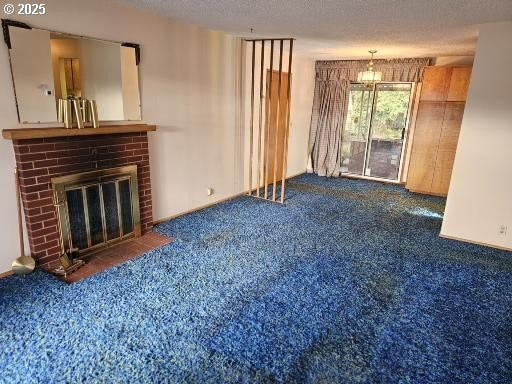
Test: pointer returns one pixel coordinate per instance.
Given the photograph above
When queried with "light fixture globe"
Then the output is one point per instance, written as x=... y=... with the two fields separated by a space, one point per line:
x=370 y=76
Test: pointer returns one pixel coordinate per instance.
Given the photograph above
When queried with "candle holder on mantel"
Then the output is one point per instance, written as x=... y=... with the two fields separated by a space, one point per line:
x=77 y=110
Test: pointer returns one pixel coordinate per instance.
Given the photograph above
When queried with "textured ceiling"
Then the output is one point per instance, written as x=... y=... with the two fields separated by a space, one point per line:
x=346 y=28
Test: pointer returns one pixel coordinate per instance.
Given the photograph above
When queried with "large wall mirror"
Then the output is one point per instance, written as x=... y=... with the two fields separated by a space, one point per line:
x=47 y=66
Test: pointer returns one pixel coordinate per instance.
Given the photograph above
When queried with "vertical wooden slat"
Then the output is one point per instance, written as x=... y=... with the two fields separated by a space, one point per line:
x=276 y=141
x=262 y=98
x=267 y=125
x=287 y=133
x=251 y=134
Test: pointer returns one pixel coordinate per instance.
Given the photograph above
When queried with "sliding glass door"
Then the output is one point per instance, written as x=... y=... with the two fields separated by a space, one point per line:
x=373 y=136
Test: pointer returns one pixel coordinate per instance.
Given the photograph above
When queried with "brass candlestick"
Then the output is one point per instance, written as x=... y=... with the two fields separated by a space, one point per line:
x=77 y=114
x=93 y=114
x=68 y=114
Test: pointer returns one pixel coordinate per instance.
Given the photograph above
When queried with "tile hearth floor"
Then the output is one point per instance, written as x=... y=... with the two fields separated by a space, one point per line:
x=115 y=255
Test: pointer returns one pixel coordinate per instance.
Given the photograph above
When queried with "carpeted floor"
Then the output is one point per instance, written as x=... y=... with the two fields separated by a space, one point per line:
x=347 y=283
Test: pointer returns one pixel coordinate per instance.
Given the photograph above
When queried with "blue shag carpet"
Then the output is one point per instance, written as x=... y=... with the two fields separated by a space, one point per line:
x=347 y=283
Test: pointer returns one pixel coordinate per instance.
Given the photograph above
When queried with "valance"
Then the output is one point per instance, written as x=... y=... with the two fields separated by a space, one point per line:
x=407 y=70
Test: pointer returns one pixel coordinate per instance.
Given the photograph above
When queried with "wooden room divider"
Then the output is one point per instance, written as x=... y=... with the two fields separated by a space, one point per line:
x=269 y=128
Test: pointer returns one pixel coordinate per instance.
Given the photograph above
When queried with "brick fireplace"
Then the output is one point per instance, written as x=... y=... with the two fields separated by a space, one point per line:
x=39 y=159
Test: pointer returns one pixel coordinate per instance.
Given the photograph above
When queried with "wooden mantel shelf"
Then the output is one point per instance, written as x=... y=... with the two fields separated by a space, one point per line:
x=41 y=133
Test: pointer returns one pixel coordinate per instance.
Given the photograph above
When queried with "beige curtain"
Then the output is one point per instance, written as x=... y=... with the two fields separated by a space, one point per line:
x=331 y=101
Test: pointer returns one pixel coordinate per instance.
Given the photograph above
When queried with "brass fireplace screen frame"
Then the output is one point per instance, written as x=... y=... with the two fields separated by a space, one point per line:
x=82 y=181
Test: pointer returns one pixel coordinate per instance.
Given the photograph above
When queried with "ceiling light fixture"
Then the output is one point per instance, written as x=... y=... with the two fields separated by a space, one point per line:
x=370 y=76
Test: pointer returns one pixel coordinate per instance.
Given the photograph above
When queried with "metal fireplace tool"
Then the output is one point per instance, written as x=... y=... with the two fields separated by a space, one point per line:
x=69 y=261
x=23 y=264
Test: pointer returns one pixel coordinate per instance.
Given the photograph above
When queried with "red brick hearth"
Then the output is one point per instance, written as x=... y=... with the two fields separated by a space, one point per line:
x=40 y=159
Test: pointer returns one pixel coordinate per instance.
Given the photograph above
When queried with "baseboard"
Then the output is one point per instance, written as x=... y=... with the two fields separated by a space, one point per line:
x=368 y=178
x=426 y=193
x=296 y=174
x=476 y=243
x=200 y=208
x=5 y=274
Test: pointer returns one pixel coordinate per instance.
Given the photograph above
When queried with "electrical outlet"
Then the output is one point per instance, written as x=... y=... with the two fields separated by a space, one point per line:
x=503 y=230
x=209 y=191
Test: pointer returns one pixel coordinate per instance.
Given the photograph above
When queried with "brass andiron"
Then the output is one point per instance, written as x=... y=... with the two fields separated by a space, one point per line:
x=77 y=111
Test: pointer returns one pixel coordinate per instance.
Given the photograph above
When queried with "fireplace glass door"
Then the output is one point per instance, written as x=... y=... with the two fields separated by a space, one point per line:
x=99 y=213
x=97 y=208
x=374 y=131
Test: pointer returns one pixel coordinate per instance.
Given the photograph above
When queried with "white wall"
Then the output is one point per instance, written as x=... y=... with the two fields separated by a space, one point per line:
x=480 y=195
x=189 y=88
x=454 y=60
x=303 y=89
x=8 y=119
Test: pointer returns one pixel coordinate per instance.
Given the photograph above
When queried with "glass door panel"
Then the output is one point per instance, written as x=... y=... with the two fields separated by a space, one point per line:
x=356 y=130
x=373 y=136
x=388 y=125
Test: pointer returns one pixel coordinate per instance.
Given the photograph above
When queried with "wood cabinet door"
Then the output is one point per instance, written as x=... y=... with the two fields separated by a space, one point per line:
x=451 y=126
x=436 y=81
x=442 y=172
x=425 y=146
x=448 y=141
x=459 y=84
